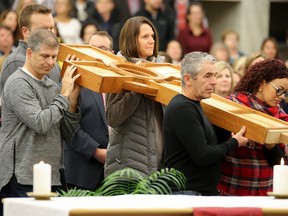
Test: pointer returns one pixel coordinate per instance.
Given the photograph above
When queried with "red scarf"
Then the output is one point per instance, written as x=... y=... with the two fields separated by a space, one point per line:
x=253 y=102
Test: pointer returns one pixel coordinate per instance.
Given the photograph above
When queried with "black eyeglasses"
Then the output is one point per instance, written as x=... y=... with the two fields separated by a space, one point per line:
x=279 y=91
x=103 y=48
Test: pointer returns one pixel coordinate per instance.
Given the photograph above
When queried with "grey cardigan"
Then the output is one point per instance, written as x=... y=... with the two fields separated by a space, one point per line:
x=34 y=119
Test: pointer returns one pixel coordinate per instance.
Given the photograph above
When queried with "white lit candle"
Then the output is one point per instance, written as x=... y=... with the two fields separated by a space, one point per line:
x=280 y=178
x=41 y=178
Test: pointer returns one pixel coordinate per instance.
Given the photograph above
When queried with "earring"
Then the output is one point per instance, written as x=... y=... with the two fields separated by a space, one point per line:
x=260 y=90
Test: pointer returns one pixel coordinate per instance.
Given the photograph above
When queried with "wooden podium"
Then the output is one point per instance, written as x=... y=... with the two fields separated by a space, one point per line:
x=104 y=72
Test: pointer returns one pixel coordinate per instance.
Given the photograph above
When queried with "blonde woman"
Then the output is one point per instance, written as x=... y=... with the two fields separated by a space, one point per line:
x=224 y=79
x=254 y=58
x=239 y=65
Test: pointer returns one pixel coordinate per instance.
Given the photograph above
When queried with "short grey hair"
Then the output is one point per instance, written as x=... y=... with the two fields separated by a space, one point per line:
x=192 y=64
x=42 y=36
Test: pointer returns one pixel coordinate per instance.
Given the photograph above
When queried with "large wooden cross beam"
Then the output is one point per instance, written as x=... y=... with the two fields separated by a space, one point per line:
x=104 y=72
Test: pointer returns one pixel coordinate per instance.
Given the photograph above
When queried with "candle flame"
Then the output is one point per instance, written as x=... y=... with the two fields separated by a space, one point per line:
x=282 y=161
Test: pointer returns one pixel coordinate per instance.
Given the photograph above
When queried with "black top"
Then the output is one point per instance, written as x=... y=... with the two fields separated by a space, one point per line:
x=191 y=145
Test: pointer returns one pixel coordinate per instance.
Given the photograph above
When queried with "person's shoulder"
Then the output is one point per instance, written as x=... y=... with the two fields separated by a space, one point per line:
x=178 y=101
x=86 y=91
x=11 y=64
x=18 y=55
x=181 y=105
x=15 y=79
x=18 y=73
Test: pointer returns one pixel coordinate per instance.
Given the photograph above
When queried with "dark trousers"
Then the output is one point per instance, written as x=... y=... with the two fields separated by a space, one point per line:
x=14 y=189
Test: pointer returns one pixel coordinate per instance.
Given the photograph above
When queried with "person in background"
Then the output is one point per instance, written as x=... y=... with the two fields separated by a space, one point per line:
x=135 y=120
x=32 y=17
x=220 y=51
x=175 y=51
x=128 y=8
x=6 y=47
x=153 y=10
x=105 y=14
x=6 y=4
x=48 y=3
x=239 y=65
x=195 y=36
x=269 y=47
x=102 y=40
x=9 y=18
x=252 y=59
x=190 y=141
x=231 y=39
x=167 y=59
x=87 y=30
x=68 y=27
x=248 y=171
x=18 y=5
x=85 y=154
x=224 y=79
x=80 y=9
x=36 y=115
x=6 y=43
x=177 y=10
x=236 y=77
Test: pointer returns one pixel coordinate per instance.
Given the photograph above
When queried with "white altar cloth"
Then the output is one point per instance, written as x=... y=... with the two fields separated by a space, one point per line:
x=61 y=206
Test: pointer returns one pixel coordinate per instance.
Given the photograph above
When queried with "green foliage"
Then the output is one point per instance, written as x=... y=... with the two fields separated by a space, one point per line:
x=129 y=181
x=75 y=193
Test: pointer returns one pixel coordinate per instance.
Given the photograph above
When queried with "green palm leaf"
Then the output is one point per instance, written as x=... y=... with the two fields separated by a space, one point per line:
x=75 y=193
x=129 y=181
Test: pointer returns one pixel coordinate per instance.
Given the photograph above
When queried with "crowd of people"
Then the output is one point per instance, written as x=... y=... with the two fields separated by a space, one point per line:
x=86 y=136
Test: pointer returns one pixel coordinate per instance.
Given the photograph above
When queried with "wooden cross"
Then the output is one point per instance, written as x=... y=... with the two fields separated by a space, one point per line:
x=105 y=72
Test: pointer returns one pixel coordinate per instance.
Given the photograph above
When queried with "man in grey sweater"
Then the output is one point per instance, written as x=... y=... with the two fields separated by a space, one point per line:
x=31 y=17
x=37 y=115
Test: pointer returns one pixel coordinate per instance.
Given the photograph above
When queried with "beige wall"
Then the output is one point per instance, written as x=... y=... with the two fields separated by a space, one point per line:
x=250 y=18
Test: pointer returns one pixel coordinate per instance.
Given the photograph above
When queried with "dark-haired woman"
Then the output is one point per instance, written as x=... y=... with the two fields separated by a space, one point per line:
x=248 y=171
x=135 y=120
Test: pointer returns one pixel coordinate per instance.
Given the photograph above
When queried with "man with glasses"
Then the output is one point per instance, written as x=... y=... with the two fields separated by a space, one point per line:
x=85 y=155
x=102 y=40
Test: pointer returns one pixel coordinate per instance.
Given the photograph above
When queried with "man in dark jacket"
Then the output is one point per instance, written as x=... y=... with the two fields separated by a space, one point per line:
x=85 y=155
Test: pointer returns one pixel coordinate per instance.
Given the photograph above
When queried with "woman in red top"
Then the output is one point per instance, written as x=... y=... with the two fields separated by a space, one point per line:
x=248 y=171
x=195 y=37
